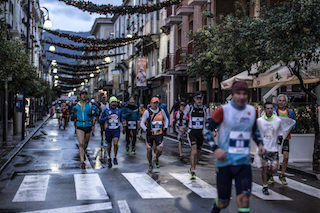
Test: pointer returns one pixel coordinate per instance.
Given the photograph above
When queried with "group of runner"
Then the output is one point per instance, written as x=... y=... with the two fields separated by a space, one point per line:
x=235 y=123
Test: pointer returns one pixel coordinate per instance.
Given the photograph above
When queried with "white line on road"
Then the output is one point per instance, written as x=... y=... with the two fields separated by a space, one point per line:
x=32 y=188
x=175 y=140
x=301 y=187
x=146 y=186
x=89 y=187
x=123 y=206
x=257 y=191
x=198 y=186
x=76 y=209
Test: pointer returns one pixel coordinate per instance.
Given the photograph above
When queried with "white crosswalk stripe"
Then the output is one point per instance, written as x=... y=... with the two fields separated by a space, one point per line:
x=89 y=187
x=146 y=186
x=301 y=187
x=257 y=191
x=32 y=188
x=123 y=206
x=198 y=186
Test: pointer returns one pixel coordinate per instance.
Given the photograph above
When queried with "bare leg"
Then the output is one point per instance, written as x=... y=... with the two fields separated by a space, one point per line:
x=159 y=152
x=285 y=162
x=115 y=141
x=264 y=175
x=243 y=201
x=180 y=149
x=193 y=157
x=149 y=155
x=81 y=139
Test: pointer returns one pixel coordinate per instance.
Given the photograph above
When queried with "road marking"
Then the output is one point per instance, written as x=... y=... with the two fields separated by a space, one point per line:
x=301 y=187
x=123 y=206
x=257 y=191
x=76 y=209
x=202 y=149
x=32 y=188
x=146 y=186
x=89 y=187
x=198 y=186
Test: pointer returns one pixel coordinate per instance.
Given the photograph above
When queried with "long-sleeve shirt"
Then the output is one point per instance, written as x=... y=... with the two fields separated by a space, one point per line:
x=83 y=113
x=113 y=117
x=146 y=116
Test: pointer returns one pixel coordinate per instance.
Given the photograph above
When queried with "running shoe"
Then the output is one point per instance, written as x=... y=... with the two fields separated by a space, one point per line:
x=192 y=175
x=133 y=152
x=109 y=163
x=265 y=190
x=157 y=164
x=150 y=168
x=83 y=165
x=115 y=161
x=270 y=180
x=127 y=151
x=215 y=208
x=283 y=180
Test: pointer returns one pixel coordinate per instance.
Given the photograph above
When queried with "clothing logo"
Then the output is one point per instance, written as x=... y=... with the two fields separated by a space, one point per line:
x=244 y=119
x=249 y=113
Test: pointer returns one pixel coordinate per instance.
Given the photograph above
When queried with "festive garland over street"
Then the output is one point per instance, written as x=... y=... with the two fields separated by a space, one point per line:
x=122 y=9
x=93 y=41
x=60 y=71
x=88 y=48
x=91 y=69
x=80 y=66
x=82 y=57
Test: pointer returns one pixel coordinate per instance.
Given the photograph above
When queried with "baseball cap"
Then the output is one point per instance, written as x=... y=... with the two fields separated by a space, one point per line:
x=113 y=99
x=239 y=86
x=83 y=91
x=198 y=95
x=155 y=99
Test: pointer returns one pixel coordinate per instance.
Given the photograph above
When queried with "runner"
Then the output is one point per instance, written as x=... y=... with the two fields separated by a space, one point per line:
x=131 y=115
x=65 y=115
x=93 y=102
x=270 y=126
x=283 y=111
x=103 y=105
x=113 y=117
x=199 y=115
x=164 y=107
x=236 y=122
x=83 y=113
x=157 y=124
x=141 y=110
x=59 y=115
x=180 y=119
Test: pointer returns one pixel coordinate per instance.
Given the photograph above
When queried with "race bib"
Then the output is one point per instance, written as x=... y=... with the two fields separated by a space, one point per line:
x=156 y=125
x=197 y=122
x=113 y=122
x=132 y=125
x=239 y=142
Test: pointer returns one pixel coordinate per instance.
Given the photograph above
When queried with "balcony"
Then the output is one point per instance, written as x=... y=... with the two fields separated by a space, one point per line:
x=197 y=2
x=172 y=20
x=184 y=10
x=180 y=61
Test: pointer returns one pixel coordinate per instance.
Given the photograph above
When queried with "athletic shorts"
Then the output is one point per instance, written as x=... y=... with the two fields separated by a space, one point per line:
x=243 y=180
x=273 y=157
x=110 y=134
x=85 y=129
x=196 y=138
x=285 y=145
x=157 y=139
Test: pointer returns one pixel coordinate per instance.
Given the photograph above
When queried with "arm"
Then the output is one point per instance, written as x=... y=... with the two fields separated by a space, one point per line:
x=96 y=109
x=104 y=116
x=144 y=119
x=213 y=124
x=166 y=120
x=293 y=116
x=256 y=136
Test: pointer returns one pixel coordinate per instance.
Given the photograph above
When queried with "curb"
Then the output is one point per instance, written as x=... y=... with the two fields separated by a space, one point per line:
x=18 y=148
x=310 y=174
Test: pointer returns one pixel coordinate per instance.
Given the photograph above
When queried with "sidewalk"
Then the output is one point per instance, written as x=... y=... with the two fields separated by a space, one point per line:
x=303 y=168
x=10 y=147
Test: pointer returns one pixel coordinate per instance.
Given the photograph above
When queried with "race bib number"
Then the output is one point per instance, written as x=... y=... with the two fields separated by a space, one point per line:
x=156 y=125
x=132 y=125
x=197 y=122
x=113 y=122
x=239 y=142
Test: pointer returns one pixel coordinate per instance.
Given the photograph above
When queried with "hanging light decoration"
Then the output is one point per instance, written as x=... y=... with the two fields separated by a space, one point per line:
x=52 y=48
x=91 y=75
x=55 y=71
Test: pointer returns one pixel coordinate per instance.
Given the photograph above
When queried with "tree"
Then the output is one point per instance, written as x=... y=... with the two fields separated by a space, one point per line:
x=292 y=38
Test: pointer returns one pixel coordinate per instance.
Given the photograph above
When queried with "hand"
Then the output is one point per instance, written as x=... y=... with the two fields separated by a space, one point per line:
x=261 y=150
x=181 y=128
x=220 y=154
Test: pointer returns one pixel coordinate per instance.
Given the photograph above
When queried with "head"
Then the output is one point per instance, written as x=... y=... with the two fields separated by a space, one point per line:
x=104 y=99
x=84 y=95
x=182 y=106
x=268 y=109
x=113 y=101
x=240 y=93
x=131 y=101
x=198 y=98
x=155 y=103
x=92 y=100
x=282 y=101
x=64 y=105
x=141 y=105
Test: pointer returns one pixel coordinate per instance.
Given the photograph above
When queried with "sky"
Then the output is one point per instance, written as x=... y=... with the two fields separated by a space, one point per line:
x=65 y=17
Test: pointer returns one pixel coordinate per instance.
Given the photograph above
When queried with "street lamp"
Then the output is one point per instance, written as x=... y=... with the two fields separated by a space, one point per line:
x=47 y=23
x=91 y=75
x=55 y=71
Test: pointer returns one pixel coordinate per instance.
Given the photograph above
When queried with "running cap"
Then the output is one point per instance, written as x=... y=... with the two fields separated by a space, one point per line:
x=141 y=105
x=155 y=99
x=198 y=95
x=83 y=91
x=239 y=86
x=113 y=99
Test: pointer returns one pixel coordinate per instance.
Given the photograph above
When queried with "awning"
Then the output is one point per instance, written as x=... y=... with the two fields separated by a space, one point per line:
x=244 y=76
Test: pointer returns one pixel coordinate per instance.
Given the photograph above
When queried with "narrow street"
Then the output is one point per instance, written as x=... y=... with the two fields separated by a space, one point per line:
x=45 y=177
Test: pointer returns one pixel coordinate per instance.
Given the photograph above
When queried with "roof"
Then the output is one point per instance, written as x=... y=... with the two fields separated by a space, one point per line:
x=100 y=21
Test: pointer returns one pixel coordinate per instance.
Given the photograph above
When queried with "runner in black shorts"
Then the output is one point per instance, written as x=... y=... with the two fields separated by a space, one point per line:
x=199 y=114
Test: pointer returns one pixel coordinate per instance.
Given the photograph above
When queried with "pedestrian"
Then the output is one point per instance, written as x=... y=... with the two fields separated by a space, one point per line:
x=198 y=117
x=283 y=111
x=236 y=124
x=112 y=116
x=131 y=115
x=269 y=126
x=103 y=105
x=141 y=110
x=84 y=112
x=180 y=119
x=155 y=122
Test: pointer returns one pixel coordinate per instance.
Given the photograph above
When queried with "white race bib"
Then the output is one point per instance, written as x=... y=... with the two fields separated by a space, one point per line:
x=239 y=142
x=156 y=125
x=197 y=122
x=113 y=123
x=132 y=125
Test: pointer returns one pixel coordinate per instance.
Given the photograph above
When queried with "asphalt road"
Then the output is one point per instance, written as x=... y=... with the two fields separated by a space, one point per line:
x=45 y=177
